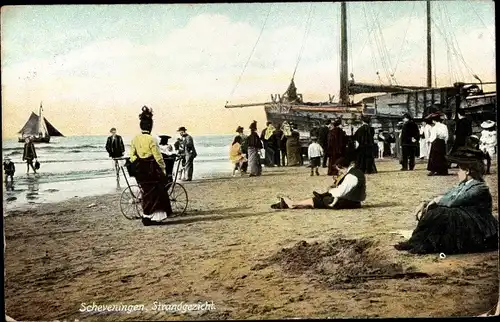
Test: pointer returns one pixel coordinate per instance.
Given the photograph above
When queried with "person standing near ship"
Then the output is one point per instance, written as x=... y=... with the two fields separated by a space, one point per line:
x=462 y=131
x=337 y=147
x=254 y=147
x=409 y=138
x=29 y=155
x=488 y=141
x=323 y=141
x=293 y=148
x=268 y=139
x=189 y=153
x=115 y=149
x=364 y=137
x=280 y=153
x=243 y=147
x=437 y=164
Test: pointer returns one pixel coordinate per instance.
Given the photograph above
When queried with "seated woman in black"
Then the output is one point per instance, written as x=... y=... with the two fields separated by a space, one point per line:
x=348 y=191
x=460 y=221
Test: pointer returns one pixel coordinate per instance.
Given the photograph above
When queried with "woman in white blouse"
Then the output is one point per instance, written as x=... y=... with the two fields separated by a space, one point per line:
x=438 y=164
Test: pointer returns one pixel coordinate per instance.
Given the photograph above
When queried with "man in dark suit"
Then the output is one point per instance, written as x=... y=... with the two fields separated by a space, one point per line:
x=410 y=135
x=323 y=140
x=116 y=149
x=114 y=145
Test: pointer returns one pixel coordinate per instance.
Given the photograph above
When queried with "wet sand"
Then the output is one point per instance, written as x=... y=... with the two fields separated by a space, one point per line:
x=249 y=260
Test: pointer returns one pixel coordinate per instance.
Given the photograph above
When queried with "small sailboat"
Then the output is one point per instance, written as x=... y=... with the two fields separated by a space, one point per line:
x=38 y=128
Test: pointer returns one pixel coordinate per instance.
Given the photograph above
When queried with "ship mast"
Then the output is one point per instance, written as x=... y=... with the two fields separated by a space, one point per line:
x=344 y=91
x=429 y=45
x=40 y=120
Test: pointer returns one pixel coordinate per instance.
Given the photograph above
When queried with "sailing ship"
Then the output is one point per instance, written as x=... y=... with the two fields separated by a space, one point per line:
x=38 y=128
x=386 y=110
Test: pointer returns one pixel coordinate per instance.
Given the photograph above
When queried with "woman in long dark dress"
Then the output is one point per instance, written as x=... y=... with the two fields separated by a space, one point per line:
x=150 y=172
x=365 y=160
x=438 y=164
x=337 y=147
x=461 y=221
x=293 y=148
x=254 y=147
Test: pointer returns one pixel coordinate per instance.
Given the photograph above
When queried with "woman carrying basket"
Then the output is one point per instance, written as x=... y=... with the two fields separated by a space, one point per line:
x=150 y=172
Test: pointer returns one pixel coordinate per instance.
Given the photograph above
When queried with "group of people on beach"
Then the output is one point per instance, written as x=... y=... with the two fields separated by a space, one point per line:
x=460 y=221
x=29 y=155
x=184 y=147
x=281 y=148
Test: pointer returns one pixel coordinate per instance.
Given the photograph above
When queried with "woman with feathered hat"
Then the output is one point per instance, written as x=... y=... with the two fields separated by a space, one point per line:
x=150 y=172
x=460 y=221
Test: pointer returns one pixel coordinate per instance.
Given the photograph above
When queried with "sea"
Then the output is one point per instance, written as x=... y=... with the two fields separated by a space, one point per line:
x=79 y=166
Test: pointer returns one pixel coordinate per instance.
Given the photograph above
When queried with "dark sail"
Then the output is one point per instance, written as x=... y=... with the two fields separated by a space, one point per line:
x=51 y=129
x=32 y=126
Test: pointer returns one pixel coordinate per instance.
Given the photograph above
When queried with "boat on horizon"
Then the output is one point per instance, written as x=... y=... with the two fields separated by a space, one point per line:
x=38 y=128
x=385 y=103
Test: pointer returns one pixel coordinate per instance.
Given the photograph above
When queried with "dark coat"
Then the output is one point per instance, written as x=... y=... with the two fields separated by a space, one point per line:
x=9 y=168
x=115 y=148
x=462 y=131
x=410 y=131
x=29 y=151
x=323 y=136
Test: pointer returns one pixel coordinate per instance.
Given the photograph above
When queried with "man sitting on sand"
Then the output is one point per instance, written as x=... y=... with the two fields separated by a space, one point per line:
x=347 y=192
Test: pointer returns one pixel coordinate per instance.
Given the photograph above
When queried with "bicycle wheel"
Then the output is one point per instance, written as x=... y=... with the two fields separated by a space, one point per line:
x=178 y=198
x=130 y=202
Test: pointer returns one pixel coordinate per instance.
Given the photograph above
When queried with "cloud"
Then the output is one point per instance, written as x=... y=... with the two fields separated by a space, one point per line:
x=191 y=72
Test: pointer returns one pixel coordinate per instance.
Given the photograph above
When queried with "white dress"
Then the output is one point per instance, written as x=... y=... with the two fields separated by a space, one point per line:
x=488 y=142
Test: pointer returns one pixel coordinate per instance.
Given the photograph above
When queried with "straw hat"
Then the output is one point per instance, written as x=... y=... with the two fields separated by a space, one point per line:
x=488 y=124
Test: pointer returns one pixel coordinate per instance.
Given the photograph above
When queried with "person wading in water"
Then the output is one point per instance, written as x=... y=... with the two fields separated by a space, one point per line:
x=29 y=155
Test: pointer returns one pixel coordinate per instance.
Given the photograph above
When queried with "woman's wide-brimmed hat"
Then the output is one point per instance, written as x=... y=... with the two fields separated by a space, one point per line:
x=466 y=155
x=7 y=158
x=163 y=139
x=182 y=129
x=407 y=116
x=239 y=129
x=488 y=124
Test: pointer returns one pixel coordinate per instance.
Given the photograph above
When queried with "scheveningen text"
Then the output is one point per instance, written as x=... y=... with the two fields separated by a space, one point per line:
x=85 y=307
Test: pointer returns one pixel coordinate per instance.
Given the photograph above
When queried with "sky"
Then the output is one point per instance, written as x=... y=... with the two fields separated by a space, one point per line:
x=95 y=66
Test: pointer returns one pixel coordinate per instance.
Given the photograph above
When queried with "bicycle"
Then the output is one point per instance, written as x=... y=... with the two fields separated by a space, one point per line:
x=131 y=196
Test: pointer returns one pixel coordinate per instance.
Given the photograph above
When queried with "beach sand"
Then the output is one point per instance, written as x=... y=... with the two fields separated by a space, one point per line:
x=249 y=260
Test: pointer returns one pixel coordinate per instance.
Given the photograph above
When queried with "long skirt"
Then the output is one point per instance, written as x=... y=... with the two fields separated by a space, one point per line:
x=454 y=231
x=254 y=165
x=437 y=158
x=364 y=159
x=155 y=200
x=293 y=152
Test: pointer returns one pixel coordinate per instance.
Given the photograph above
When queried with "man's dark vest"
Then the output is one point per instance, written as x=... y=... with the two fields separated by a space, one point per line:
x=358 y=193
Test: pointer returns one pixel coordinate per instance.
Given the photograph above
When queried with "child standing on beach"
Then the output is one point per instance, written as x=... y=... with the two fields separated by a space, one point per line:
x=9 y=169
x=315 y=152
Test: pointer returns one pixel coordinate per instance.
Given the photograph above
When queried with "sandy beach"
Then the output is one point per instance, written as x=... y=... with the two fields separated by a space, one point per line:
x=249 y=260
